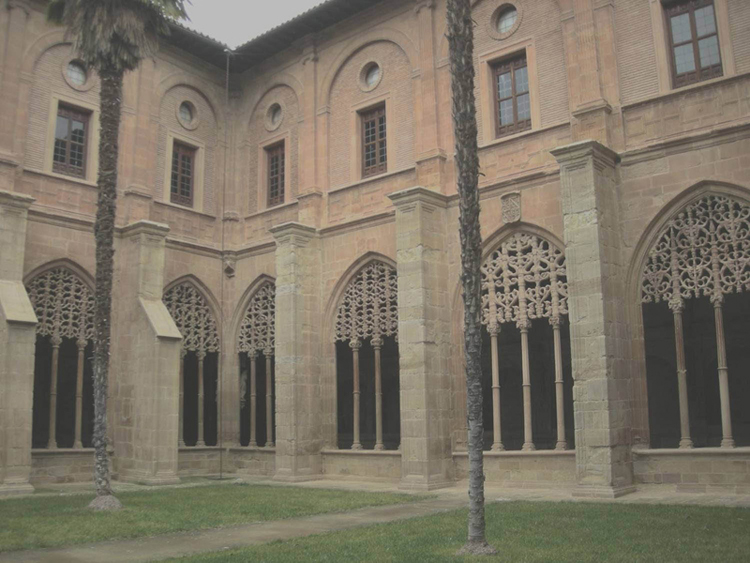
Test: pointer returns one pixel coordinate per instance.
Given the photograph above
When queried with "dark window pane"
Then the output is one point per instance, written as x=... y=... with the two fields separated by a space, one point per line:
x=61 y=128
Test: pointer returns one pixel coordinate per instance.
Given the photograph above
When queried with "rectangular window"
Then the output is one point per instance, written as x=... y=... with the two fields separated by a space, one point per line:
x=71 y=138
x=276 y=174
x=374 y=147
x=693 y=41
x=183 y=173
x=512 y=101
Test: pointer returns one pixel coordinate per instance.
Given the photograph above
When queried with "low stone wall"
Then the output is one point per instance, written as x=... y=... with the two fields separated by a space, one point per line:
x=62 y=466
x=203 y=460
x=695 y=470
x=540 y=469
x=362 y=464
x=252 y=461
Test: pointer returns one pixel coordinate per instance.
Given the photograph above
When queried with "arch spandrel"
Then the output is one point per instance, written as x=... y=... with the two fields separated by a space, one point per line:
x=703 y=250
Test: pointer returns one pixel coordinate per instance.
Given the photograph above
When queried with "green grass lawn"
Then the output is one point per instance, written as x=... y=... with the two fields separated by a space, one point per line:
x=46 y=521
x=526 y=532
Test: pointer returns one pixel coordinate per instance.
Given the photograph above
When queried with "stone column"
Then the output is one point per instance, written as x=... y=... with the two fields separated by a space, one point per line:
x=298 y=386
x=253 y=398
x=145 y=360
x=269 y=398
x=598 y=328
x=677 y=307
x=355 y=345
x=17 y=341
x=424 y=338
x=562 y=442
x=377 y=345
x=727 y=440
x=201 y=399
x=497 y=437
x=181 y=418
x=54 y=364
x=79 y=393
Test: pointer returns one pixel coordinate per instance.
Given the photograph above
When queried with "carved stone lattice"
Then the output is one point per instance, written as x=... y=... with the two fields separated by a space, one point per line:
x=193 y=318
x=369 y=307
x=704 y=250
x=258 y=328
x=524 y=279
x=63 y=304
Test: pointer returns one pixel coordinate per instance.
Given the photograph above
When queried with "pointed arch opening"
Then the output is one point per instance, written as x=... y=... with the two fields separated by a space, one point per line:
x=526 y=345
x=256 y=346
x=367 y=360
x=199 y=362
x=695 y=300
x=63 y=411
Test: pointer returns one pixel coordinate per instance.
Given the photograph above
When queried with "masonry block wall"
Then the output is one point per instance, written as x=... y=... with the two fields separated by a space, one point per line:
x=599 y=76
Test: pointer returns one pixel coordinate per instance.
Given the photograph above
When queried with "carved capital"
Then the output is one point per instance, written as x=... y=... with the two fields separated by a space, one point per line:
x=355 y=345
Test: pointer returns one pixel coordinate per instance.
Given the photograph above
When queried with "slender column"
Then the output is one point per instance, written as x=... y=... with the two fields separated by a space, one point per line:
x=269 y=399
x=497 y=441
x=677 y=307
x=355 y=346
x=79 y=394
x=721 y=354
x=253 y=398
x=182 y=398
x=528 y=440
x=562 y=443
x=52 y=443
x=377 y=344
x=201 y=400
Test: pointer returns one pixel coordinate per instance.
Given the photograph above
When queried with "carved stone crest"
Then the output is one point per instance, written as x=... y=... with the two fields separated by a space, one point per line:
x=511 y=205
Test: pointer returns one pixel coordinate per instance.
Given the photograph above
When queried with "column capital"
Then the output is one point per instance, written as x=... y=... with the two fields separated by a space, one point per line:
x=577 y=154
x=145 y=228
x=418 y=194
x=293 y=233
x=15 y=200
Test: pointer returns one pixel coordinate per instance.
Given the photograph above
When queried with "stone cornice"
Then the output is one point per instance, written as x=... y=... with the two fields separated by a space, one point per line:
x=572 y=156
x=15 y=200
x=293 y=233
x=145 y=227
x=418 y=194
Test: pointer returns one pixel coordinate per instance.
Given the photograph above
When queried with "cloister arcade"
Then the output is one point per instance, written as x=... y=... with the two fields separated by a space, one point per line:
x=696 y=315
x=199 y=363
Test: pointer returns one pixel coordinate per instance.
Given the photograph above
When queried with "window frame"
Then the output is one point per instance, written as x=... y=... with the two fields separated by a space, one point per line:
x=679 y=7
x=179 y=149
x=71 y=112
x=501 y=67
x=273 y=151
x=373 y=113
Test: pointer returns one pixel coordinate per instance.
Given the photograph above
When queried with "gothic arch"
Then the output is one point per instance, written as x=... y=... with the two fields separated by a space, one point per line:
x=210 y=336
x=244 y=303
x=74 y=267
x=338 y=291
x=388 y=35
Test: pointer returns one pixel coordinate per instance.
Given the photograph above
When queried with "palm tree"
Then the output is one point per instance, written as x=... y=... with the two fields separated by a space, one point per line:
x=461 y=41
x=111 y=37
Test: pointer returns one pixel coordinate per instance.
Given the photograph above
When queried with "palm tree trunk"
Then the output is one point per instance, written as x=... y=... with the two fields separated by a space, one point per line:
x=104 y=230
x=461 y=42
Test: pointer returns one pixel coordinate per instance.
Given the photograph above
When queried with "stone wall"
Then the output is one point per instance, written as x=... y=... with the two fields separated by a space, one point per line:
x=203 y=460
x=53 y=467
x=364 y=464
x=252 y=461
x=533 y=470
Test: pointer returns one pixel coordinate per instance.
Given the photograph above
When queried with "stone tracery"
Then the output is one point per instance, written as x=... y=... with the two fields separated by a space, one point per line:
x=702 y=251
x=368 y=310
x=522 y=280
x=258 y=335
x=192 y=315
x=64 y=306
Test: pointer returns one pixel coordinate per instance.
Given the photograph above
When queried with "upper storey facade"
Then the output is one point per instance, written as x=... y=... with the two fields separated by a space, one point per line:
x=326 y=115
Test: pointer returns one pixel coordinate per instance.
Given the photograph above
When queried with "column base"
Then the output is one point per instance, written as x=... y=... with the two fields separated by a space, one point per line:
x=727 y=443
x=252 y=445
x=419 y=483
x=200 y=444
x=561 y=446
x=15 y=489
x=379 y=447
x=498 y=447
x=78 y=446
x=356 y=446
x=270 y=445
x=528 y=447
x=686 y=444
x=601 y=491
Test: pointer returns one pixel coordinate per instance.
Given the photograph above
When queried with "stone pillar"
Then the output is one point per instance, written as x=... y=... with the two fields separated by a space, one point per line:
x=146 y=359
x=298 y=386
x=424 y=338
x=15 y=44
x=17 y=341
x=598 y=327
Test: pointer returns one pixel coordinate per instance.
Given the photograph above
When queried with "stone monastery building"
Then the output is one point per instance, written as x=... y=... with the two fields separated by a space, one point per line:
x=287 y=300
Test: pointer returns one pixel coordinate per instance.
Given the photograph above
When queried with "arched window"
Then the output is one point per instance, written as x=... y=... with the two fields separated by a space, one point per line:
x=696 y=312
x=199 y=363
x=258 y=338
x=524 y=285
x=63 y=395
x=366 y=336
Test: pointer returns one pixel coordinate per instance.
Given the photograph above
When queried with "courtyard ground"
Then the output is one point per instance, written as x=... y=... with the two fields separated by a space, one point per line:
x=653 y=524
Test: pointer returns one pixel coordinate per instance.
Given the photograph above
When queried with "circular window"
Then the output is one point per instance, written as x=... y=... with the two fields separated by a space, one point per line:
x=274 y=115
x=506 y=19
x=76 y=73
x=370 y=76
x=186 y=112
